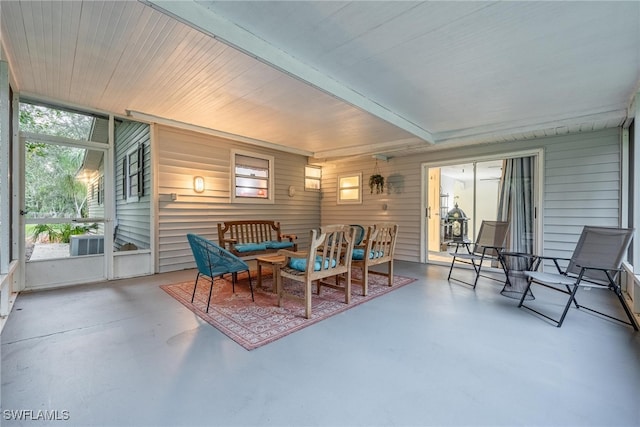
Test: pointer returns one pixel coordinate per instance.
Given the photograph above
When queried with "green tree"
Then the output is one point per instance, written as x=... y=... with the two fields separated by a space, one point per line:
x=51 y=186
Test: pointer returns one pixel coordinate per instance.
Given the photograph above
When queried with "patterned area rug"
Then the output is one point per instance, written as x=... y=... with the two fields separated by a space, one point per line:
x=254 y=324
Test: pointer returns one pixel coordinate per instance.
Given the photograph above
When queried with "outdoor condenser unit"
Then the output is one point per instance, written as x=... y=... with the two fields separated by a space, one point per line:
x=86 y=244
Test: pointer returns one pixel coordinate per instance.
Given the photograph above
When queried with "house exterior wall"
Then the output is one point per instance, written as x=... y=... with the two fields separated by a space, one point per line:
x=133 y=218
x=582 y=186
x=95 y=206
x=184 y=154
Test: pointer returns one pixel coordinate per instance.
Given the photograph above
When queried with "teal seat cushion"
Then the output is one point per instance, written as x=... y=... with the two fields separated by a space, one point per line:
x=358 y=254
x=249 y=247
x=274 y=244
x=300 y=264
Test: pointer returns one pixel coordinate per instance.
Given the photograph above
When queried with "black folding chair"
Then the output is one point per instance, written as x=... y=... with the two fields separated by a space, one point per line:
x=596 y=262
x=491 y=239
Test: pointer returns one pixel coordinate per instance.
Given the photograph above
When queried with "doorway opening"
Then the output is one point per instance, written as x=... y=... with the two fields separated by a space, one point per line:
x=459 y=196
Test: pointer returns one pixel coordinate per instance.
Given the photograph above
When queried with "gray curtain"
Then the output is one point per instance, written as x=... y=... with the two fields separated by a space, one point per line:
x=515 y=202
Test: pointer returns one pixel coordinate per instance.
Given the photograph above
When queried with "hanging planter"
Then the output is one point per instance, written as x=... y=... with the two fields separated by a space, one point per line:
x=376 y=181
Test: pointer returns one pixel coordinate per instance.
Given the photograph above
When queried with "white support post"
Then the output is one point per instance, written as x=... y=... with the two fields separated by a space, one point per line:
x=5 y=143
x=636 y=183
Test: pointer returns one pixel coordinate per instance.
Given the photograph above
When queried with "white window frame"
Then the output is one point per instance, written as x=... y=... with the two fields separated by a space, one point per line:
x=312 y=178
x=342 y=187
x=270 y=199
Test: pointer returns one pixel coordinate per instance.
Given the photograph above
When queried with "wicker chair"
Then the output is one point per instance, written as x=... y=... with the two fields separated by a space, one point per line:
x=213 y=261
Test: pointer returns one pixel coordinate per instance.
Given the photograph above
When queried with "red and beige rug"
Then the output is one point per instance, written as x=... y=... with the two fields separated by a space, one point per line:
x=254 y=324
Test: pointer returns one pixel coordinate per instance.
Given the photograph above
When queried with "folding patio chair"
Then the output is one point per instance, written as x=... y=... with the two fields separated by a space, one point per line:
x=490 y=241
x=595 y=263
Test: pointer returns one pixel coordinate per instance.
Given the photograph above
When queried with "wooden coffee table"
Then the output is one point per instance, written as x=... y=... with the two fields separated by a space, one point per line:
x=275 y=262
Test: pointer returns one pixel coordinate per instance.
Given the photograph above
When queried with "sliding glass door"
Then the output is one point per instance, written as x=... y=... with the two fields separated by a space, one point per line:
x=501 y=189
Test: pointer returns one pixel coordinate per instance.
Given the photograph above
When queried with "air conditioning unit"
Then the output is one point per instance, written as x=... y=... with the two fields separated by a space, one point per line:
x=86 y=244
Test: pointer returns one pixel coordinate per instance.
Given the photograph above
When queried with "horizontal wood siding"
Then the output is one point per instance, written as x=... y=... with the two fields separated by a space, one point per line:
x=183 y=155
x=402 y=200
x=581 y=186
x=134 y=218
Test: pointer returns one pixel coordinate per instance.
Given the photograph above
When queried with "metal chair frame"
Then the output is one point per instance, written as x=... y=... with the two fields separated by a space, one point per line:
x=595 y=263
x=213 y=261
x=489 y=243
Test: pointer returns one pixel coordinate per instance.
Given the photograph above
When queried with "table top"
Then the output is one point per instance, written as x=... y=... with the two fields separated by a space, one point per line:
x=273 y=259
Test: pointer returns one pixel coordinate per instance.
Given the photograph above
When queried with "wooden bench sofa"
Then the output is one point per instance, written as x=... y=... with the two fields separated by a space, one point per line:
x=250 y=238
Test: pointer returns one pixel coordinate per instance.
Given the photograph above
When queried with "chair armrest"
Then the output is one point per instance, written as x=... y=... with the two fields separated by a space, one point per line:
x=291 y=254
x=553 y=258
x=290 y=237
x=231 y=241
x=519 y=254
x=555 y=261
x=598 y=268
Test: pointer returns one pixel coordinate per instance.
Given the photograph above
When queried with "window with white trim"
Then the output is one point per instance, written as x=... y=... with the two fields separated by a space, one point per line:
x=350 y=189
x=312 y=178
x=252 y=179
x=100 y=190
x=132 y=171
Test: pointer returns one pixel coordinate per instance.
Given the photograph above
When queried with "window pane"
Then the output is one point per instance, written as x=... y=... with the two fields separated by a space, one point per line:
x=349 y=194
x=312 y=184
x=312 y=172
x=49 y=121
x=251 y=162
x=247 y=171
x=350 y=181
x=251 y=182
x=258 y=193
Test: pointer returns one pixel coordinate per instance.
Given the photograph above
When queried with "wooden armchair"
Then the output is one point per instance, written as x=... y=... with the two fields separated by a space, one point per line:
x=378 y=247
x=329 y=255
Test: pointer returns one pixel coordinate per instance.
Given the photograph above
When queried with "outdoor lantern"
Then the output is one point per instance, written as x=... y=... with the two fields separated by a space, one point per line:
x=198 y=184
x=458 y=229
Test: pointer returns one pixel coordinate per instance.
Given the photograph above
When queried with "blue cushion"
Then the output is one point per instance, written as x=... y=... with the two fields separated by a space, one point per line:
x=358 y=254
x=274 y=244
x=300 y=264
x=248 y=247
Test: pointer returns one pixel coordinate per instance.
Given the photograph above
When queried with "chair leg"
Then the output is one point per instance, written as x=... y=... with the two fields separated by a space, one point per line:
x=618 y=292
x=307 y=299
x=347 y=288
x=566 y=307
x=365 y=280
x=451 y=268
x=210 y=291
x=391 y=273
x=251 y=286
x=477 y=269
x=194 y=288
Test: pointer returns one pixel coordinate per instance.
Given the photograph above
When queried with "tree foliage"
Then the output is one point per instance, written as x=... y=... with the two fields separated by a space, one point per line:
x=51 y=185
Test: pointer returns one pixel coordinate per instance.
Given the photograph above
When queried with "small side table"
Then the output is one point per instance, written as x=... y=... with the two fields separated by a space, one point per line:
x=515 y=265
x=275 y=262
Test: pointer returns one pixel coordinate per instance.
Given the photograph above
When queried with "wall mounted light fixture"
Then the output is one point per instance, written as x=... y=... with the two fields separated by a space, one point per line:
x=198 y=184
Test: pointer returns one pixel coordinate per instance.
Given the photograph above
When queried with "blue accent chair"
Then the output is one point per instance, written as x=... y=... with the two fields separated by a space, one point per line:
x=213 y=261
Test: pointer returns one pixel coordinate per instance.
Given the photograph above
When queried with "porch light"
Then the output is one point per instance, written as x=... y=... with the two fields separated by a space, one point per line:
x=198 y=184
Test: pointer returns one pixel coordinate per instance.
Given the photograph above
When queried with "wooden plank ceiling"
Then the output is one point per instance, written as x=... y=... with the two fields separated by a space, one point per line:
x=331 y=79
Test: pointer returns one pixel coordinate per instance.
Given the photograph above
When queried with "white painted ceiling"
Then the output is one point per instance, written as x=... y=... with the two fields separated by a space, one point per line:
x=331 y=79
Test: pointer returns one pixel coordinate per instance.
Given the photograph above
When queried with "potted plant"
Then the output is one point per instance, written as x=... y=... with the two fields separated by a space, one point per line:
x=376 y=182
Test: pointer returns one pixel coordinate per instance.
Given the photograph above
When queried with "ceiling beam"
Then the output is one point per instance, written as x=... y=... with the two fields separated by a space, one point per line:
x=497 y=131
x=208 y=22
